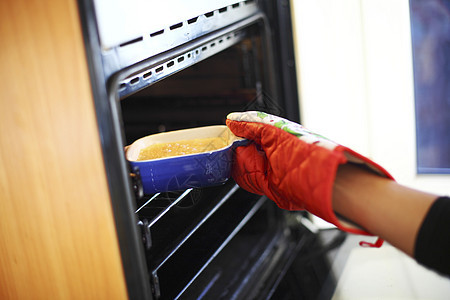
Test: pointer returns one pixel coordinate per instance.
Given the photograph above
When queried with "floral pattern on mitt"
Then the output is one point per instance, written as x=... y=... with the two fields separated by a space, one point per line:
x=290 y=127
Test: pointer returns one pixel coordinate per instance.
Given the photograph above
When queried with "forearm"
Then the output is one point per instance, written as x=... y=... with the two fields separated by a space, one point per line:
x=381 y=206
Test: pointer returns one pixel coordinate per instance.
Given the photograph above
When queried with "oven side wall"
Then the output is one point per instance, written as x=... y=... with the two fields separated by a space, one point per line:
x=58 y=237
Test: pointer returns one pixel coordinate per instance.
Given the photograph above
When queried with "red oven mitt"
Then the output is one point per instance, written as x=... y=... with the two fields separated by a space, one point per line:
x=293 y=166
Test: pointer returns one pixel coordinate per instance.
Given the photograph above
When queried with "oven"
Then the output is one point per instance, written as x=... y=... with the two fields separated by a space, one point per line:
x=185 y=66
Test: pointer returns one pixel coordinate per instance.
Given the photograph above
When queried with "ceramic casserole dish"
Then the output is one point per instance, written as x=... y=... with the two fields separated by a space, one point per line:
x=185 y=171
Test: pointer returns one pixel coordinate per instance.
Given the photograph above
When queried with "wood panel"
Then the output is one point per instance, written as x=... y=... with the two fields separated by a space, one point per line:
x=57 y=234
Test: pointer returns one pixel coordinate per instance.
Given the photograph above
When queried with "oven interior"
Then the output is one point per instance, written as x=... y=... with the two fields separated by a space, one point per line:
x=205 y=241
x=200 y=95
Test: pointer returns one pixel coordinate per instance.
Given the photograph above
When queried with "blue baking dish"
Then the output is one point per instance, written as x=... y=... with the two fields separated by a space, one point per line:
x=185 y=171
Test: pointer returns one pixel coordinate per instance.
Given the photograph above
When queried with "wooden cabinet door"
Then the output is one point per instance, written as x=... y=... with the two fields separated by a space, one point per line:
x=57 y=232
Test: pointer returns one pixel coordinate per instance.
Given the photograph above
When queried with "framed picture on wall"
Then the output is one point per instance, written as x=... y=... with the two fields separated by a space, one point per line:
x=430 y=30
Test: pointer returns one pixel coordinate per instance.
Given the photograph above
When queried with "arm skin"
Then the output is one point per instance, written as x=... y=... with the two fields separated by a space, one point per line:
x=382 y=206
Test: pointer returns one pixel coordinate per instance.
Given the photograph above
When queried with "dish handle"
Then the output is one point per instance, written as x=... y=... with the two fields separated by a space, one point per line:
x=240 y=142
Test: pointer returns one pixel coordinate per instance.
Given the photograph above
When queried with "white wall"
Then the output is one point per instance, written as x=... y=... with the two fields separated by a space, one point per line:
x=354 y=63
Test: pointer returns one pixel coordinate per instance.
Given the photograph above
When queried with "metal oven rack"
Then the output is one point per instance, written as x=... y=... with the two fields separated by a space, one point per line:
x=186 y=257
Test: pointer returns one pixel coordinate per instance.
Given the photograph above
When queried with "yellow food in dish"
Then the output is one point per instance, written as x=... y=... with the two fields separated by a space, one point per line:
x=183 y=147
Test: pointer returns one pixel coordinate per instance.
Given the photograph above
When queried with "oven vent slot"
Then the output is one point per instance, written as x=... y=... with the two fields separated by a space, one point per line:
x=173 y=35
x=148 y=76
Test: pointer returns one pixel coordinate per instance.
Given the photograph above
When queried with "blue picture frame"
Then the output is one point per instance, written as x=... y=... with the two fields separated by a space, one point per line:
x=430 y=33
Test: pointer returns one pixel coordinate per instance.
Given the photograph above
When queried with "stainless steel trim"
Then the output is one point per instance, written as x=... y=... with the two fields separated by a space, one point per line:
x=164 y=39
x=146 y=73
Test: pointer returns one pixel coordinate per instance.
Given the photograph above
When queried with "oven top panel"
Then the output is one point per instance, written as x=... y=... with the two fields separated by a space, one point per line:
x=121 y=21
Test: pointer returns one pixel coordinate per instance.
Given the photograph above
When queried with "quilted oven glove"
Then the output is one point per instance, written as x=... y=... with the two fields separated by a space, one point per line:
x=292 y=166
